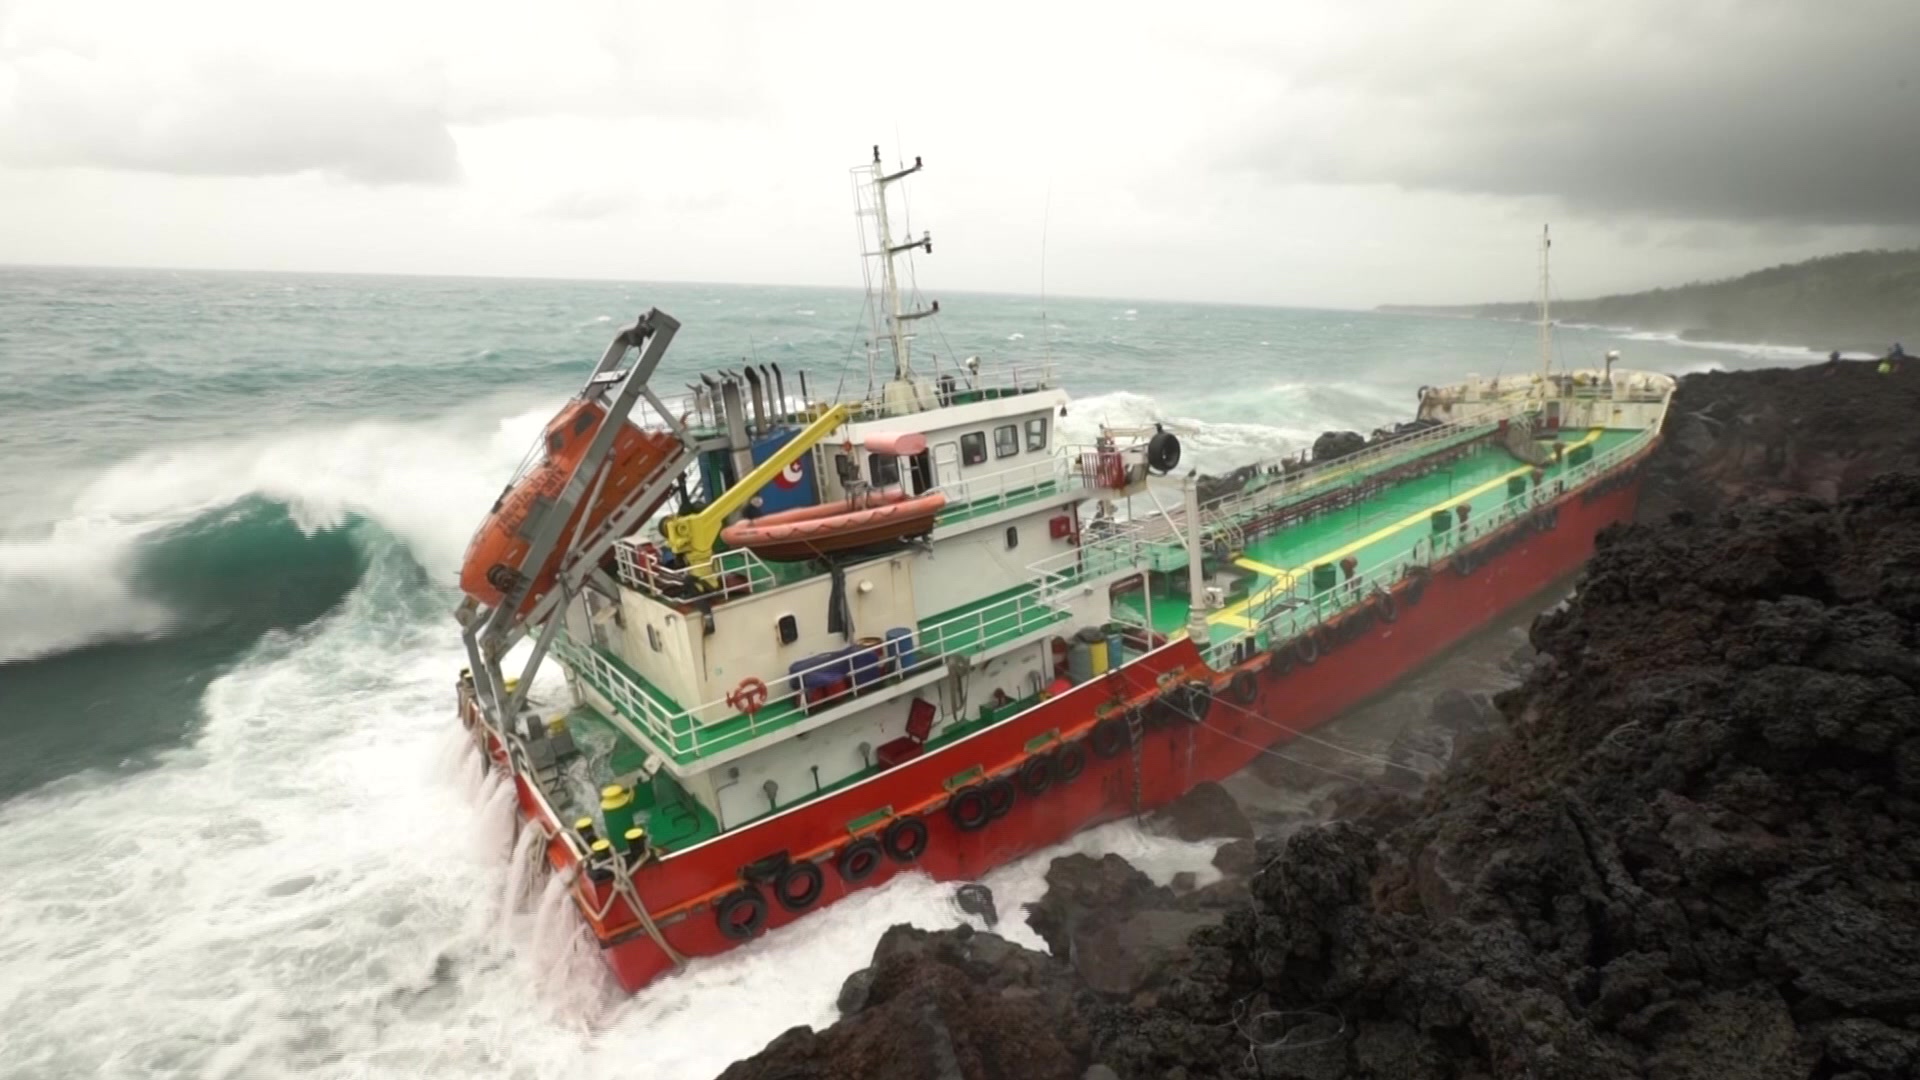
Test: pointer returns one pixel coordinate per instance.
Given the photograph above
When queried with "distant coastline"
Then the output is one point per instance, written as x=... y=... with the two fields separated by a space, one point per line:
x=1860 y=302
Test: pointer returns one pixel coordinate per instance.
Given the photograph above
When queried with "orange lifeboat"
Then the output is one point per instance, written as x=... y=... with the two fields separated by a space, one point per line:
x=879 y=518
x=492 y=565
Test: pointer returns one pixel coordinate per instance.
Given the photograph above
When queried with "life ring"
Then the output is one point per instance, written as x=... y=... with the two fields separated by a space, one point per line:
x=810 y=880
x=860 y=859
x=1110 y=736
x=1243 y=687
x=749 y=697
x=1036 y=774
x=1069 y=762
x=969 y=809
x=999 y=794
x=905 y=839
x=1385 y=608
x=741 y=913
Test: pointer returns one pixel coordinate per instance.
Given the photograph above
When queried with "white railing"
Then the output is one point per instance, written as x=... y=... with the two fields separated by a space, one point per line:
x=854 y=671
x=731 y=573
x=1282 y=609
x=976 y=494
x=982 y=384
x=1106 y=549
x=1382 y=454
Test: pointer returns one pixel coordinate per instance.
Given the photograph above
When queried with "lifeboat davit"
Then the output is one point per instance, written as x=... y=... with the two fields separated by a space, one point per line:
x=870 y=521
x=492 y=565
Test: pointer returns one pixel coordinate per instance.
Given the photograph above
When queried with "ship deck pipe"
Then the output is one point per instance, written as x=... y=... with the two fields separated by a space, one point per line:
x=759 y=405
x=780 y=388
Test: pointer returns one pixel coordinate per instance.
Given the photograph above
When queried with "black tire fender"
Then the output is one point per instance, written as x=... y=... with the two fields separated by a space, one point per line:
x=969 y=809
x=812 y=882
x=1000 y=796
x=1244 y=687
x=1036 y=774
x=1306 y=648
x=1386 y=608
x=859 y=860
x=914 y=832
x=1069 y=762
x=1110 y=736
x=741 y=913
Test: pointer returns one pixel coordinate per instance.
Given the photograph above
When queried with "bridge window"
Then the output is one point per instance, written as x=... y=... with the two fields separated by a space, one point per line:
x=1006 y=441
x=1037 y=433
x=973 y=448
x=884 y=468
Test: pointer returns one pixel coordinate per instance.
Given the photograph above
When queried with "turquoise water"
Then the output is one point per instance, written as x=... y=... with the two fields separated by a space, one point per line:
x=233 y=814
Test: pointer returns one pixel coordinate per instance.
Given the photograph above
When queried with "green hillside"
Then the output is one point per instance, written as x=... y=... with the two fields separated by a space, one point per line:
x=1862 y=300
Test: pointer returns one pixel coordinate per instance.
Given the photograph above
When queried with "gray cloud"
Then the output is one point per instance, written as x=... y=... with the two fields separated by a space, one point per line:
x=1805 y=113
x=233 y=120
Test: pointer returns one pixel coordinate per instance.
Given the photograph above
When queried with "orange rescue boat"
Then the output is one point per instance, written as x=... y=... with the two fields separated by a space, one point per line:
x=492 y=565
x=878 y=518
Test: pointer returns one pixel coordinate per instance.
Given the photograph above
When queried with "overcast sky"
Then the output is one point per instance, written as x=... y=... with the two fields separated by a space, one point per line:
x=1343 y=154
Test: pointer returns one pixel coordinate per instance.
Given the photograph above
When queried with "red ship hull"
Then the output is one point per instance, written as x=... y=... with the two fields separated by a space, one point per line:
x=682 y=891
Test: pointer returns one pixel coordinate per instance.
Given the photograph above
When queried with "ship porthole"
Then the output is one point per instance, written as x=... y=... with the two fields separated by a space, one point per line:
x=969 y=809
x=799 y=885
x=741 y=914
x=860 y=859
x=905 y=839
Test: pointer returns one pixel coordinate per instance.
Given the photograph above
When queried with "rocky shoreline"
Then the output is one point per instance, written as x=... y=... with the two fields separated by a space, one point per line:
x=1687 y=844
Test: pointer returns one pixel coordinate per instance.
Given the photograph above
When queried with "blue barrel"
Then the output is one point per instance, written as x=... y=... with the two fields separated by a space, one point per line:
x=900 y=646
x=869 y=662
x=1116 y=647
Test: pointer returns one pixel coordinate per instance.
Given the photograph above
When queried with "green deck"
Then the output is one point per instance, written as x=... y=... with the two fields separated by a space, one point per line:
x=1372 y=530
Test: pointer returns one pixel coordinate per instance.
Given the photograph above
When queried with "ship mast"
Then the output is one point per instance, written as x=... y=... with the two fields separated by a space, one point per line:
x=900 y=394
x=1546 y=325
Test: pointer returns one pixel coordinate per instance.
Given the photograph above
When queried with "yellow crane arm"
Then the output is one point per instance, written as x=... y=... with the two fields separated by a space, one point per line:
x=692 y=536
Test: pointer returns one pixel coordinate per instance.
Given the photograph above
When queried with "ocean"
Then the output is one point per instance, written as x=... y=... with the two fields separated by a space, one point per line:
x=240 y=834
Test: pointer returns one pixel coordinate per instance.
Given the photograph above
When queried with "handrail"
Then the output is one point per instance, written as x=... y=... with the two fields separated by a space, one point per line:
x=997 y=488
x=735 y=572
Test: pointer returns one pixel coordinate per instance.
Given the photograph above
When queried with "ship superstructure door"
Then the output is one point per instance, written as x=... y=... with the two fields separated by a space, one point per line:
x=946 y=462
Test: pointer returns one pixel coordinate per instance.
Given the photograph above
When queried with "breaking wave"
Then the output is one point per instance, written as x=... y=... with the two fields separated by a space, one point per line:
x=1263 y=424
x=259 y=534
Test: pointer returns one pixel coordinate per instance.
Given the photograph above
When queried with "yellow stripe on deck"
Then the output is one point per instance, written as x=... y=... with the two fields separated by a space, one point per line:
x=1259 y=567
x=1233 y=612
